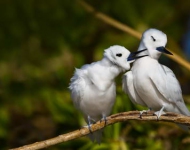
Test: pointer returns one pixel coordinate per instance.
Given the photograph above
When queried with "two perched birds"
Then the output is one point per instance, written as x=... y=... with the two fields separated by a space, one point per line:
x=148 y=83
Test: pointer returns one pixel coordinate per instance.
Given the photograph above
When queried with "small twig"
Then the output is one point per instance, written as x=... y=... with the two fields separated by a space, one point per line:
x=120 y=117
x=128 y=30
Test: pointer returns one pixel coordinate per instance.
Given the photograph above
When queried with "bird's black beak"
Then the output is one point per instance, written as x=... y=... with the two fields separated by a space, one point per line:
x=163 y=50
x=133 y=56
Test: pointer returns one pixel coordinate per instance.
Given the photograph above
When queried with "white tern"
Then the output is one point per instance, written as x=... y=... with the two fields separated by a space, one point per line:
x=150 y=83
x=93 y=89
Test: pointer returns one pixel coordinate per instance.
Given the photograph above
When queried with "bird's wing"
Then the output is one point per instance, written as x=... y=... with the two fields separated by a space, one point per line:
x=128 y=88
x=172 y=85
x=77 y=87
x=165 y=81
x=167 y=84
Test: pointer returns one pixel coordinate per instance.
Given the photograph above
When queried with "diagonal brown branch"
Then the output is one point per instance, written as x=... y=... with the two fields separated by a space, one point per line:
x=120 y=117
x=128 y=30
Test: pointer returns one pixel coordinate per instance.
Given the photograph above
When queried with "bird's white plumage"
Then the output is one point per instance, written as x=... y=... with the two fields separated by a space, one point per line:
x=128 y=88
x=93 y=88
x=150 y=83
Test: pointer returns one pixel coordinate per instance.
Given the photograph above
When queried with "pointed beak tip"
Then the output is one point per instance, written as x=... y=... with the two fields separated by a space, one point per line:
x=168 y=52
x=163 y=50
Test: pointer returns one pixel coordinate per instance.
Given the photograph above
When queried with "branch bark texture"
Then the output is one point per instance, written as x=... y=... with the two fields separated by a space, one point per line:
x=120 y=117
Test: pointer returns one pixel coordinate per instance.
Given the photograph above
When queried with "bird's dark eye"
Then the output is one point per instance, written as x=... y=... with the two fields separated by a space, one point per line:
x=119 y=55
x=153 y=38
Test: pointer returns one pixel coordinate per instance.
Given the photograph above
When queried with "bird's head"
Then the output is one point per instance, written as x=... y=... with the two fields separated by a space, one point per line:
x=118 y=55
x=154 y=42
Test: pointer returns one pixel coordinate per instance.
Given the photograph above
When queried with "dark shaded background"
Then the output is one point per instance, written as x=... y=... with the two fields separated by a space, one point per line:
x=41 y=42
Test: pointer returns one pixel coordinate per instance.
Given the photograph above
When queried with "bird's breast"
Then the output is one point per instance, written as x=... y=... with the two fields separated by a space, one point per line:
x=143 y=85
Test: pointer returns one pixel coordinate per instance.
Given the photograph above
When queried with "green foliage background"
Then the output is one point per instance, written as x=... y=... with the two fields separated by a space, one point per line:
x=41 y=42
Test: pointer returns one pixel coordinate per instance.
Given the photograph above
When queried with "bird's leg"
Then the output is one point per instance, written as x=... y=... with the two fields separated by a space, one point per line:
x=160 y=112
x=104 y=119
x=144 y=111
x=89 y=124
x=149 y=109
x=141 y=112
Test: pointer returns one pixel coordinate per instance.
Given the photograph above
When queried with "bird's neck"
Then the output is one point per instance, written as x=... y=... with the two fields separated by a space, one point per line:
x=106 y=62
x=154 y=54
x=114 y=69
x=151 y=52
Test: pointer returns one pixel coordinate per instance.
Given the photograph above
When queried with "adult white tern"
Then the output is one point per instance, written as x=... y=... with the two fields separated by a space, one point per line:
x=93 y=89
x=150 y=83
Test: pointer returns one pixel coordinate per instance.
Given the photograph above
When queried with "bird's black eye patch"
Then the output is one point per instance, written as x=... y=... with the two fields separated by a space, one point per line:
x=119 y=55
x=153 y=38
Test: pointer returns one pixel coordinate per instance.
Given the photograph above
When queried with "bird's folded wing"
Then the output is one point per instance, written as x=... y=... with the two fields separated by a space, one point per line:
x=128 y=88
x=77 y=86
x=167 y=84
x=169 y=87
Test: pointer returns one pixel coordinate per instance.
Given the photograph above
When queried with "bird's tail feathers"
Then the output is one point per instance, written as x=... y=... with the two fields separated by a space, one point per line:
x=183 y=109
x=96 y=136
x=184 y=127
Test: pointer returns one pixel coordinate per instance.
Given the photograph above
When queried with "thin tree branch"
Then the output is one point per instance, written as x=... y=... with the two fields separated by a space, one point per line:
x=120 y=117
x=128 y=30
